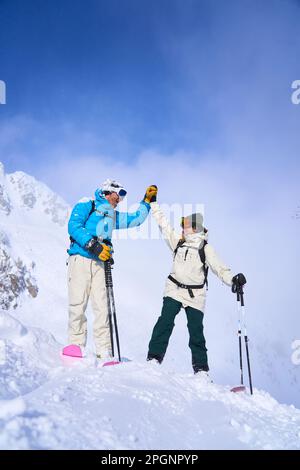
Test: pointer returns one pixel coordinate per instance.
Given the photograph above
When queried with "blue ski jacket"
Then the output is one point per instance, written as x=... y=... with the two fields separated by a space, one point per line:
x=84 y=225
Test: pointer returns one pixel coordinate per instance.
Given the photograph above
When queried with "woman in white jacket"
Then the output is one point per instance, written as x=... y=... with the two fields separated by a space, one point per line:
x=185 y=287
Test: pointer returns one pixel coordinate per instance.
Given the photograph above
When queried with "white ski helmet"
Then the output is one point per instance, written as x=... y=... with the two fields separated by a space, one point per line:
x=112 y=186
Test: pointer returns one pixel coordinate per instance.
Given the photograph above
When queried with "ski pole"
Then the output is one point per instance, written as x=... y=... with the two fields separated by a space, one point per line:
x=106 y=268
x=240 y=345
x=240 y=298
x=112 y=299
x=114 y=312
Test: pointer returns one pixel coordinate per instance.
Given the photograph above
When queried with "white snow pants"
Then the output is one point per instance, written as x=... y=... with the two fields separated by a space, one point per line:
x=86 y=279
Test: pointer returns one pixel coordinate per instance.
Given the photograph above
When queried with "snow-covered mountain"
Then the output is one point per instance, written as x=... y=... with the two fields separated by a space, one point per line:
x=33 y=241
x=21 y=191
x=46 y=403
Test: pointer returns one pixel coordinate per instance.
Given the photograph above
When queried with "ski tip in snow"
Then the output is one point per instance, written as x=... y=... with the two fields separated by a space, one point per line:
x=111 y=363
x=239 y=388
x=72 y=350
x=114 y=362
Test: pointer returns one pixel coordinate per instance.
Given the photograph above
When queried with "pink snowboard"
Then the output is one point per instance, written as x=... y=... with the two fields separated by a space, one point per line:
x=72 y=350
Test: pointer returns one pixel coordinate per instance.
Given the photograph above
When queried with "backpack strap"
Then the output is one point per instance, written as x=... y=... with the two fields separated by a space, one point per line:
x=179 y=244
x=92 y=208
x=189 y=287
x=203 y=260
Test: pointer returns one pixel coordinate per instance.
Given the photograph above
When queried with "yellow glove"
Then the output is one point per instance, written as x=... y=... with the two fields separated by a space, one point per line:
x=151 y=194
x=105 y=253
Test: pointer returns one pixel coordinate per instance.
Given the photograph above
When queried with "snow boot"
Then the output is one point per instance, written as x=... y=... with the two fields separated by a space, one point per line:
x=155 y=358
x=203 y=375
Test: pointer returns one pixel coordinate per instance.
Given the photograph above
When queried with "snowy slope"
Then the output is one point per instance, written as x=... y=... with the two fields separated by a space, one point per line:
x=46 y=404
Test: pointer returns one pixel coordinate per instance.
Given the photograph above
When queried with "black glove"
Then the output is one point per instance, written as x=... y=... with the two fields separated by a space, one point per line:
x=238 y=281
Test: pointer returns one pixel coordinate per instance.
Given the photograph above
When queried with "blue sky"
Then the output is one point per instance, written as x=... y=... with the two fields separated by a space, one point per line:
x=99 y=66
x=93 y=79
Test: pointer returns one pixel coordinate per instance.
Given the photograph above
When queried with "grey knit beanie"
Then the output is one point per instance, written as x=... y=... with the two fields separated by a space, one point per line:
x=196 y=221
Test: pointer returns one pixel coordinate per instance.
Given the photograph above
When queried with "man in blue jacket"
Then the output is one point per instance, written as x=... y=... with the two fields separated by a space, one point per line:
x=90 y=228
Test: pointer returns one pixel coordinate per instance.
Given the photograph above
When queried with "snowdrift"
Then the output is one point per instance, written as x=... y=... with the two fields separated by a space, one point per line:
x=48 y=404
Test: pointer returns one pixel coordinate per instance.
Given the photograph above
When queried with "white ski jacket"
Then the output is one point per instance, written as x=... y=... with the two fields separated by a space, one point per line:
x=187 y=266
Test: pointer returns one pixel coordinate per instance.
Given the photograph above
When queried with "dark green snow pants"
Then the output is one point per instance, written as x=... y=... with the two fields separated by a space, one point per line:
x=164 y=327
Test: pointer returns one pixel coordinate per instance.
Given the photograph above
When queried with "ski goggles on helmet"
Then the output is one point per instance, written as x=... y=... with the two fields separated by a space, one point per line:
x=122 y=193
x=114 y=188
